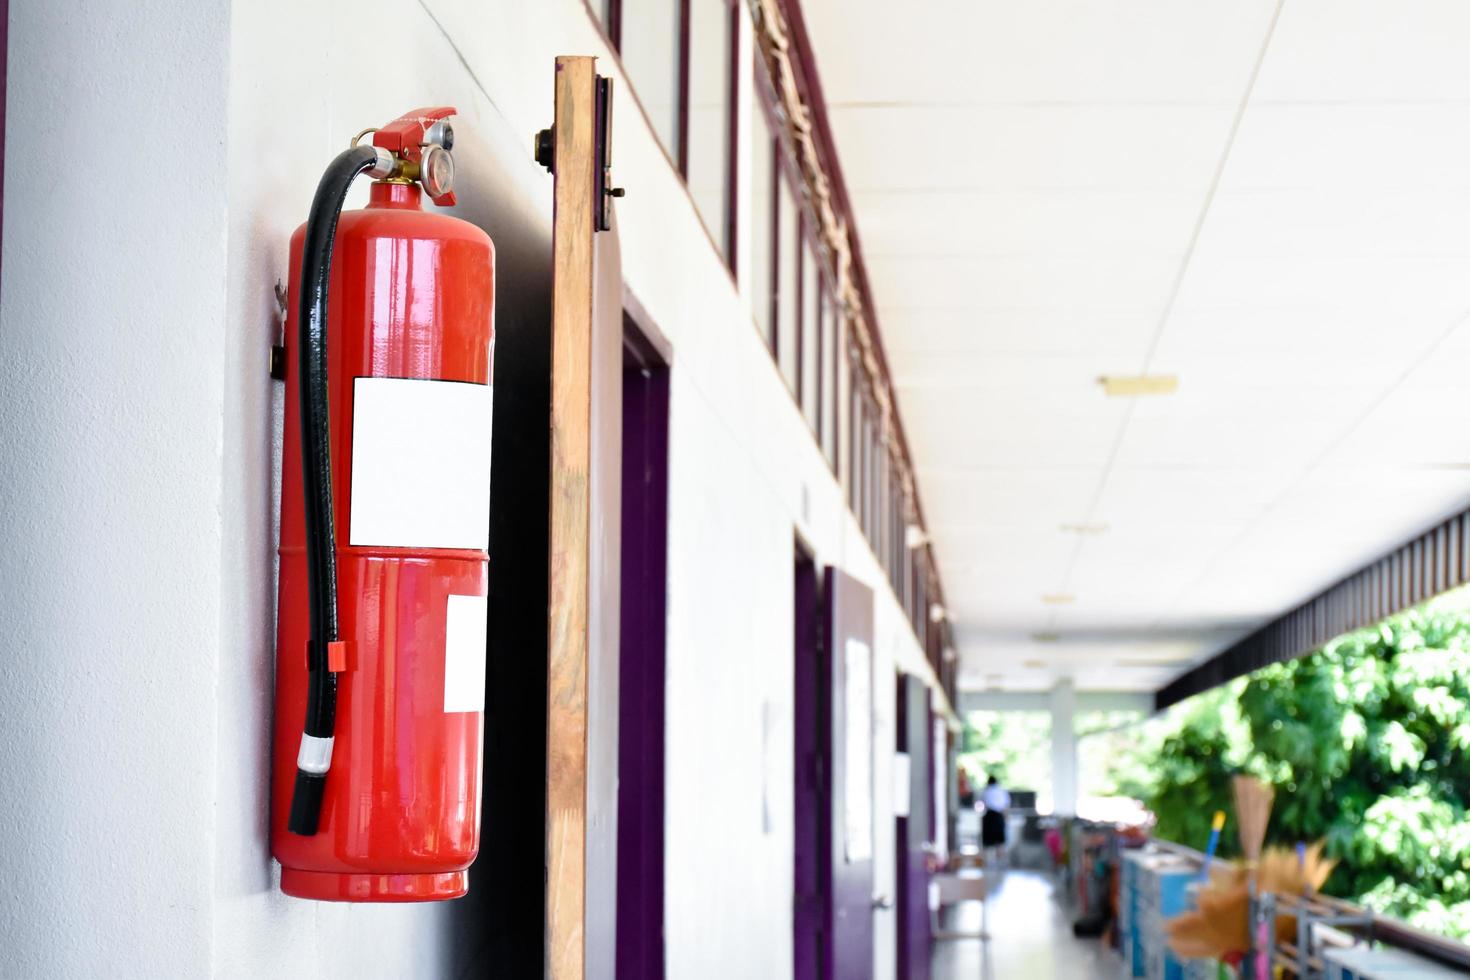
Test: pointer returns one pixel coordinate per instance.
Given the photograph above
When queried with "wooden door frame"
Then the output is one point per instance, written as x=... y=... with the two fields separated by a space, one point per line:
x=584 y=541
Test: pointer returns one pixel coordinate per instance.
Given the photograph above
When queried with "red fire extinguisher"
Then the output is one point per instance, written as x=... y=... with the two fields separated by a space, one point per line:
x=384 y=531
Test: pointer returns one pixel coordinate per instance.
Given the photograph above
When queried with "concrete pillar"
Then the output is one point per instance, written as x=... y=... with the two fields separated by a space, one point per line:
x=1063 y=748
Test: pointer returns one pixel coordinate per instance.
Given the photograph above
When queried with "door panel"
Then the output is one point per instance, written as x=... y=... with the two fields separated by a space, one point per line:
x=641 y=659
x=812 y=816
x=915 y=836
x=849 y=646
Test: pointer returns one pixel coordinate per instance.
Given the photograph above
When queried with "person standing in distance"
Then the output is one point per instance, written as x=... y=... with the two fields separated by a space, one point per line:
x=993 y=824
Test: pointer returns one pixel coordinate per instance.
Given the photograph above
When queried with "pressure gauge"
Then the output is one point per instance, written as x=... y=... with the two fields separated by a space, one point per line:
x=436 y=171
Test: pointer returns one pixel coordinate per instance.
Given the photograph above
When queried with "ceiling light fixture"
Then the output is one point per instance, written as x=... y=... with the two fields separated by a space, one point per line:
x=1093 y=528
x=937 y=613
x=1046 y=637
x=1138 y=385
x=1059 y=598
x=1143 y=662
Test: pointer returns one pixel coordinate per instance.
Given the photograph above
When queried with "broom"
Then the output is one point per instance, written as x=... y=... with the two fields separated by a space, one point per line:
x=1218 y=928
x=1216 y=825
x=1253 y=800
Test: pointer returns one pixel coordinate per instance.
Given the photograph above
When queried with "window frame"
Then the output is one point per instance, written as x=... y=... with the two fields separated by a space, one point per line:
x=846 y=423
x=788 y=328
x=797 y=242
x=767 y=154
x=609 y=21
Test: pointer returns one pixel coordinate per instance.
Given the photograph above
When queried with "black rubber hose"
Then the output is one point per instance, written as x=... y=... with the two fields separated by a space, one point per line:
x=316 y=470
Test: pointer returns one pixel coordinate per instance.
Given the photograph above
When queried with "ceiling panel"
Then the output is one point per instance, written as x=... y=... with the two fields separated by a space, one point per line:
x=1053 y=191
x=964 y=50
x=1422 y=423
x=1369 y=51
x=1263 y=427
x=1266 y=332
x=1011 y=330
x=1397 y=223
x=982 y=223
x=1351 y=145
x=1368 y=509
x=1058 y=279
x=1397 y=288
x=998 y=429
x=1207 y=495
x=983 y=497
x=1014 y=376
x=1067 y=145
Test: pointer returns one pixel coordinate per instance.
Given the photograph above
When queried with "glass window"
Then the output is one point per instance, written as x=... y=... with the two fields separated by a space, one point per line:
x=896 y=545
x=842 y=438
x=888 y=554
x=788 y=258
x=711 y=75
x=908 y=584
x=854 y=431
x=865 y=488
x=880 y=513
x=811 y=331
x=649 y=48
x=865 y=466
x=871 y=475
x=759 y=279
x=827 y=384
x=862 y=463
x=920 y=597
x=880 y=497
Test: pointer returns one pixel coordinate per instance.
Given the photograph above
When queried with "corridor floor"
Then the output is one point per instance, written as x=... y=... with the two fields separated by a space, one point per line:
x=1031 y=938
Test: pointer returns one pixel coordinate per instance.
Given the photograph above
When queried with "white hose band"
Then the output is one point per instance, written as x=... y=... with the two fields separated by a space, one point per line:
x=315 y=756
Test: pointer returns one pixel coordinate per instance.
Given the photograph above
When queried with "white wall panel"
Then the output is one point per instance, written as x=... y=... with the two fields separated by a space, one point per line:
x=112 y=385
x=144 y=441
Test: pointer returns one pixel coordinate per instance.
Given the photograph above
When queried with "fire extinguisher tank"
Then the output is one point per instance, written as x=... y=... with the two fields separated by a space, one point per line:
x=409 y=341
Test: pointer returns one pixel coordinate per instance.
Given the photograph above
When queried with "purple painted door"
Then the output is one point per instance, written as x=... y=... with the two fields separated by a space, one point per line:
x=914 y=831
x=640 y=885
x=849 y=644
x=811 y=811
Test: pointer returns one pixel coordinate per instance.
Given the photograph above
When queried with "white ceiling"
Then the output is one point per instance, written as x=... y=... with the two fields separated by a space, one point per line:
x=1271 y=201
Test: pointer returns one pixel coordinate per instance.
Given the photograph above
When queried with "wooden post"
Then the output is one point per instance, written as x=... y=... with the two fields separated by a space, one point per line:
x=585 y=518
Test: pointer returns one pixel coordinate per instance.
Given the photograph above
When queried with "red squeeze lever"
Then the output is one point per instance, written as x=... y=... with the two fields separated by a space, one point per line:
x=424 y=137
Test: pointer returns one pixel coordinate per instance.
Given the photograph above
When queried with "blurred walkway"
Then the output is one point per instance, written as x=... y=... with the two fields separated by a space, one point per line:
x=1031 y=938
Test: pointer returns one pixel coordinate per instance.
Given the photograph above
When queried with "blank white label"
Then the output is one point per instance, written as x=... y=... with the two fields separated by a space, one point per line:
x=858 y=801
x=464 y=653
x=420 y=463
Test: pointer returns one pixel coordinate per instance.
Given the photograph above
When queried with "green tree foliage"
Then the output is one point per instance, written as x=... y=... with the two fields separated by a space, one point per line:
x=1193 y=768
x=1012 y=746
x=1115 y=754
x=1368 y=744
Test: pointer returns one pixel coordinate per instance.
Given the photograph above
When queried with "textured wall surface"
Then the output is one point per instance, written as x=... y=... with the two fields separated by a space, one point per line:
x=111 y=326
x=159 y=158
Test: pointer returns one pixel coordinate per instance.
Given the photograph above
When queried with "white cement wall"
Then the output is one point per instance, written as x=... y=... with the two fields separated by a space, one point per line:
x=159 y=157
x=111 y=390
